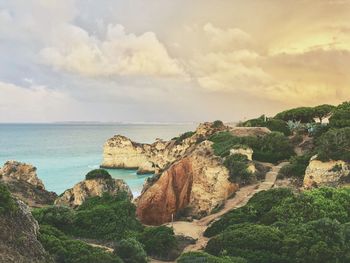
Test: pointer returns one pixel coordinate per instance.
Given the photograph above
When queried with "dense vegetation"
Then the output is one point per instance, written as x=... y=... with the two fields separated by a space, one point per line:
x=131 y=251
x=279 y=226
x=7 y=203
x=238 y=164
x=273 y=124
x=109 y=219
x=98 y=174
x=334 y=145
x=341 y=116
x=67 y=250
x=272 y=147
x=296 y=167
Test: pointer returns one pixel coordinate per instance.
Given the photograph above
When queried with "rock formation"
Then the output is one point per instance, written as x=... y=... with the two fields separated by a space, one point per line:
x=23 y=182
x=13 y=170
x=198 y=183
x=325 y=173
x=18 y=238
x=94 y=187
x=121 y=152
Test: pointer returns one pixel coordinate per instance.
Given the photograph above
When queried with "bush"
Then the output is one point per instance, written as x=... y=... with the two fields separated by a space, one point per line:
x=107 y=218
x=334 y=145
x=183 y=137
x=202 y=257
x=131 y=251
x=341 y=116
x=57 y=216
x=278 y=126
x=280 y=226
x=98 y=174
x=217 y=124
x=296 y=168
x=158 y=241
x=237 y=165
x=272 y=147
x=66 y=250
x=256 y=243
x=7 y=203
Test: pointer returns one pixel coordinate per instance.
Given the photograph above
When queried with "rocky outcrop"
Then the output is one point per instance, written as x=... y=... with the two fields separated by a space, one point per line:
x=22 y=181
x=249 y=131
x=18 y=238
x=13 y=170
x=94 y=187
x=197 y=183
x=325 y=173
x=121 y=152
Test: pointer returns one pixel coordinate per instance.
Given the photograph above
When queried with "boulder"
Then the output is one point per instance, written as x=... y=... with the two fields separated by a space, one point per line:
x=197 y=183
x=325 y=173
x=89 y=188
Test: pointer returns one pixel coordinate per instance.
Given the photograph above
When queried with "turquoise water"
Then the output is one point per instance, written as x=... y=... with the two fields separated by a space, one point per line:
x=64 y=153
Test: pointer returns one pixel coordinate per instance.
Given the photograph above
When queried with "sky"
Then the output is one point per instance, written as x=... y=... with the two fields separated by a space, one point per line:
x=170 y=61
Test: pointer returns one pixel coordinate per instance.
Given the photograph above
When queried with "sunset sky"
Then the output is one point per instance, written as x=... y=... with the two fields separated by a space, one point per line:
x=170 y=60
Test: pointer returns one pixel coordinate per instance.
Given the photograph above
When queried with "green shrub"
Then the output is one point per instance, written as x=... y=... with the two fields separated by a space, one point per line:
x=66 y=250
x=107 y=218
x=237 y=165
x=131 y=251
x=184 y=136
x=256 y=243
x=202 y=257
x=217 y=124
x=272 y=147
x=57 y=216
x=98 y=174
x=323 y=111
x=296 y=168
x=278 y=126
x=341 y=116
x=280 y=226
x=7 y=203
x=334 y=145
x=158 y=241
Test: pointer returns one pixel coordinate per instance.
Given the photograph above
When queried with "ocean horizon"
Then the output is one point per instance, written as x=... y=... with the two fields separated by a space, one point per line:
x=63 y=152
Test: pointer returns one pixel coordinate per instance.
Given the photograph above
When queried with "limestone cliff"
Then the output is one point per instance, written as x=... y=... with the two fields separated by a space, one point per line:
x=94 y=187
x=23 y=182
x=121 y=152
x=13 y=170
x=198 y=183
x=18 y=238
x=325 y=173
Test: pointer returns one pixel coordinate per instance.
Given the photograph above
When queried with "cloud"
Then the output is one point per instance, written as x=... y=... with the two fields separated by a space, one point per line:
x=22 y=103
x=118 y=54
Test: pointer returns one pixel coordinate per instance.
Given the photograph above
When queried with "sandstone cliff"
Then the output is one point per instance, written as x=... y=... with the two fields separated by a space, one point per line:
x=18 y=238
x=325 y=173
x=88 y=188
x=23 y=182
x=121 y=152
x=198 y=183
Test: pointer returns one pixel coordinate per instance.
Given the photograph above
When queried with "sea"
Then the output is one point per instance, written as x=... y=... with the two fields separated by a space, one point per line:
x=64 y=152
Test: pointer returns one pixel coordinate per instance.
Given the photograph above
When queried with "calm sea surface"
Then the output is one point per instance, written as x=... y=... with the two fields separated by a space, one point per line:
x=64 y=153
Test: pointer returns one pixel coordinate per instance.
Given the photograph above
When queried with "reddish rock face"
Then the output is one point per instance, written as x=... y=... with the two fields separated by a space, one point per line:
x=168 y=195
